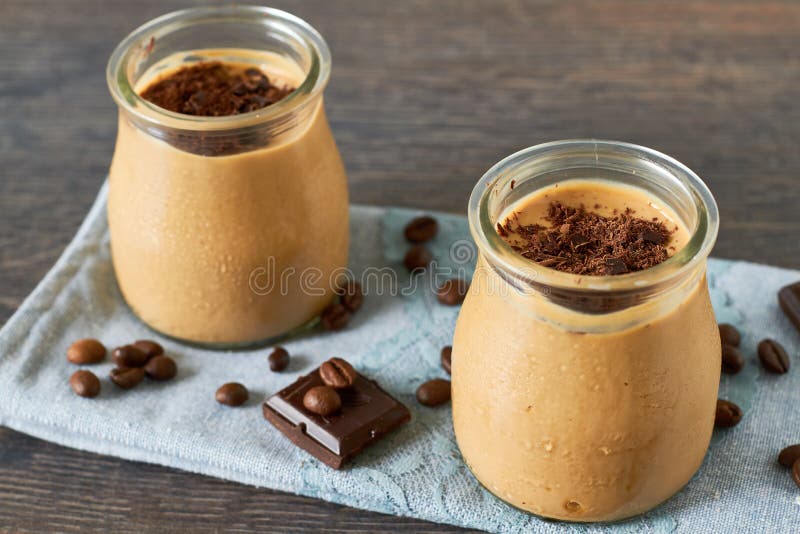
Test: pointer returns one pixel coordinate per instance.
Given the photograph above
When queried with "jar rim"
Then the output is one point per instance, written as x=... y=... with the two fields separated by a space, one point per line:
x=500 y=254
x=128 y=99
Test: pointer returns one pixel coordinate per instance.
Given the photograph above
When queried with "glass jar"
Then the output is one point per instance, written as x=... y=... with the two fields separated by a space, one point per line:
x=586 y=398
x=228 y=230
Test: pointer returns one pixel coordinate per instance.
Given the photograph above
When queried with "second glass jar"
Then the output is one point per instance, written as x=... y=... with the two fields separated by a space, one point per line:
x=226 y=231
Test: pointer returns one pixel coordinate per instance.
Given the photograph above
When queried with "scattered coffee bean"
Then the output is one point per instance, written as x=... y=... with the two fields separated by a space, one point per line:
x=796 y=472
x=127 y=377
x=129 y=356
x=421 y=229
x=337 y=373
x=789 y=299
x=335 y=317
x=86 y=351
x=728 y=414
x=452 y=292
x=278 y=359
x=351 y=296
x=417 y=259
x=232 y=394
x=85 y=383
x=161 y=368
x=150 y=348
x=729 y=335
x=732 y=360
x=773 y=356
x=447 y=354
x=789 y=455
x=434 y=392
x=322 y=400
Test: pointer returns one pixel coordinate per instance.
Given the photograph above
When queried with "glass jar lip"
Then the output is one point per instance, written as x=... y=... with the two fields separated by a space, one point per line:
x=314 y=83
x=499 y=253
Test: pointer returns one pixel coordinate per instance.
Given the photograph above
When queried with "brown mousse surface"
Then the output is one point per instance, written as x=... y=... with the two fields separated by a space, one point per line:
x=581 y=242
x=214 y=89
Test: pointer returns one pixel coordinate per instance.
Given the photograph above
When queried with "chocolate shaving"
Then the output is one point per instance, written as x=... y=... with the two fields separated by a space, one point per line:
x=582 y=242
x=214 y=89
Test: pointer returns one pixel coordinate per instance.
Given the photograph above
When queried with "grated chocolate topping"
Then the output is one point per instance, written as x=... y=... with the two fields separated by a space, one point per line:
x=582 y=242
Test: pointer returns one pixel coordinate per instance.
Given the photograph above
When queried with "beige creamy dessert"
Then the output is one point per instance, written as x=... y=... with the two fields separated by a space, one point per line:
x=234 y=246
x=585 y=416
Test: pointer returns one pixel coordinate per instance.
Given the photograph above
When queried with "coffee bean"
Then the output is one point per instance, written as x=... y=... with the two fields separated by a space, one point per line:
x=161 y=368
x=351 y=296
x=729 y=335
x=796 y=472
x=86 y=351
x=789 y=455
x=127 y=377
x=452 y=292
x=84 y=383
x=434 y=392
x=129 y=356
x=150 y=348
x=335 y=317
x=773 y=356
x=322 y=400
x=789 y=299
x=232 y=394
x=278 y=359
x=337 y=373
x=417 y=259
x=421 y=229
x=732 y=360
x=447 y=354
x=728 y=414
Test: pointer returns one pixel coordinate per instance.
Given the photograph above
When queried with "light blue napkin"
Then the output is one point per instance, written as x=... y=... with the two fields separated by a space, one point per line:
x=416 y=471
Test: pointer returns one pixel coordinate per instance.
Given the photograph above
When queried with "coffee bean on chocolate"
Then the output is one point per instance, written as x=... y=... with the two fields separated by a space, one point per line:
x=417 y=259
x=732 y=360
x=129 y=356
x=434 y=392
x=728 y=414
x=149 y=347
x=335 y=317
x=452 y=292
x=729 y=335
x=232 y=394
x=351 y=296
x=796 y=472
x=127 y=377
x=278 y=359
x=161 y=368
x=86 y=351
x=447 y=354
x=773 y=356
x=322 y=400
x=421 y=229
x=789 y=455
x=84 y=383
x=337 y=373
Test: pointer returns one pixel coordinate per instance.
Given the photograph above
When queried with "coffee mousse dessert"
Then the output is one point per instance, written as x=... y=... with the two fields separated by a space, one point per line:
x=239 y=184
x=593 y=414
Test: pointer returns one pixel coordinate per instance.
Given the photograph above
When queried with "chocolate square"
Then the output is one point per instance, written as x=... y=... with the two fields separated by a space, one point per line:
x=367 y=413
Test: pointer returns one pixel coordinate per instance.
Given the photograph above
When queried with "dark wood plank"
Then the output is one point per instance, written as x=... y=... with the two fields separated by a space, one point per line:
x=425 y=96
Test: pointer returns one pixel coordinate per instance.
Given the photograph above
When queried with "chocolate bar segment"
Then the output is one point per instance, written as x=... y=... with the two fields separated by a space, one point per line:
x=367 y=413
x=789 y=299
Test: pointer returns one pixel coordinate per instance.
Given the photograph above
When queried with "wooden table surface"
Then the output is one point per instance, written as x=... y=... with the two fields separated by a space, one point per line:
x=424 y=97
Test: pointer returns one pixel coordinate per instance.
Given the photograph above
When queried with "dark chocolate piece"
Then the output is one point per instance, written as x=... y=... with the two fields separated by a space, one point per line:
x=367 y=413
x=789 y=299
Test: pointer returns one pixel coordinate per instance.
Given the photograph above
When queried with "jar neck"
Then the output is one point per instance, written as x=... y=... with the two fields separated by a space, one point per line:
x=542 y=166
x=259 y=36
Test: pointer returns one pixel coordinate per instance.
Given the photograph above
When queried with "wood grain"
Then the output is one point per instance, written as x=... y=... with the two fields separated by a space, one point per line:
x=425 y=96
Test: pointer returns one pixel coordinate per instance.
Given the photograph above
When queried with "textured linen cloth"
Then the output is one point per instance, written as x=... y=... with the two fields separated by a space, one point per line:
x=416 y=471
